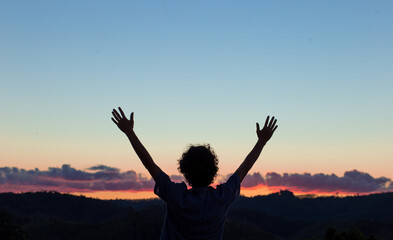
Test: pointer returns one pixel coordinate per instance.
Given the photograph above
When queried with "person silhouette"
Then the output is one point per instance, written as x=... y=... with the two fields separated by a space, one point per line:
x=198 y=212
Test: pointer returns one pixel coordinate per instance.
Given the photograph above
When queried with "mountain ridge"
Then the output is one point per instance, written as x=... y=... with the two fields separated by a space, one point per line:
x=53 y=215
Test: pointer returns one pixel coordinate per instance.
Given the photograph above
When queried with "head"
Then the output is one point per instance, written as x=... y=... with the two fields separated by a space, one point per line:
x=198 y=164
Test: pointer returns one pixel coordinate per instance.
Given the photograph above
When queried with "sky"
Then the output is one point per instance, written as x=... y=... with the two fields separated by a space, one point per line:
x=196 y=72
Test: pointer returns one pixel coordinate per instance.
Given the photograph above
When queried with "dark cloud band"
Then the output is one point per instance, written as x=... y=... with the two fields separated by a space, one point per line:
x=105 y=178
x=68 y=179
x=352 y=182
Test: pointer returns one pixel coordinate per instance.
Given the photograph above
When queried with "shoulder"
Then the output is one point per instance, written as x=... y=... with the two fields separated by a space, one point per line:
x=166 y=189
x=229 y=190
x=232 y=182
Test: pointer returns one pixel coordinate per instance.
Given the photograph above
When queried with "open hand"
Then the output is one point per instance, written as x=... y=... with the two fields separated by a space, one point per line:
x=122 y=122
x=266 y=133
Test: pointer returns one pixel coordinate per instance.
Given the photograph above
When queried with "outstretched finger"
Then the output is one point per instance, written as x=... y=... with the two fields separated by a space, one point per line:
x=258 y=127
x=116 y=115
x=270 y=122
x=122 y=113
x=273 y=123
x=132 y=116
x=115 y=122
x=274 y=129
x=267 y=121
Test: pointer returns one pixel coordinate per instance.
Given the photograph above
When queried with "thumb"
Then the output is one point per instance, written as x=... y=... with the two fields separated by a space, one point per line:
x=257 y=127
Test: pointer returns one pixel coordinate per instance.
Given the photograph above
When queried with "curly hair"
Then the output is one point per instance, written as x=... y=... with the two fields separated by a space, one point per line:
x=199 y=165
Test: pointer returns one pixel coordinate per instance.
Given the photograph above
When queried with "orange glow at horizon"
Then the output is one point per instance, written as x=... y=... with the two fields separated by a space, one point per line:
x=112 y=195
x=265 y=190
x=258 y=190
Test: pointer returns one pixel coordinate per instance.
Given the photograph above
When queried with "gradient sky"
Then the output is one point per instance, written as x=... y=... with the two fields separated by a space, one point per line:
x=198 y=72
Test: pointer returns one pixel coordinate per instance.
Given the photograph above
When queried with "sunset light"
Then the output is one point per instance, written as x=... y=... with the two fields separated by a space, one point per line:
x=187 y=105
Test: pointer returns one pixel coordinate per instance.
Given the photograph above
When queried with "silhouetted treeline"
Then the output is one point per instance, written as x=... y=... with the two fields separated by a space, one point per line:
x=51 y=215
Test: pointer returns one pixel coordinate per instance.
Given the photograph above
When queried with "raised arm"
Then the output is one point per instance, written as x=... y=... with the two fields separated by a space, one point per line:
x=127 y=126
x=263 y=136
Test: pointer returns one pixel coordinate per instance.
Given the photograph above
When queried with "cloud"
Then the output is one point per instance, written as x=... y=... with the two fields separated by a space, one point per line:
x=103 y=168
x=69 y=179
x=352 y=181
x=105 y=178
x=253 y=180
x=177 y=178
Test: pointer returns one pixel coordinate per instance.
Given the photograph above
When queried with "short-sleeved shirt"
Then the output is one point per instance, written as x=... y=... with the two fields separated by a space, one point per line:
x=196 y=213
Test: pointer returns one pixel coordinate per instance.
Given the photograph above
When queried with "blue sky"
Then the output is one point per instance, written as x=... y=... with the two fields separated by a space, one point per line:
x=198 y=72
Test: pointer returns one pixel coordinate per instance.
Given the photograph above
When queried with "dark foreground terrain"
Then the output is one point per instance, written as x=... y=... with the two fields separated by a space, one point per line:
x=51 y=215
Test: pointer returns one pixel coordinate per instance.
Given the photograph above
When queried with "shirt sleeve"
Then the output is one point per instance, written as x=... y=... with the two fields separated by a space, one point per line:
x=233 y=186
x=166 y=189
x=162 y=186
